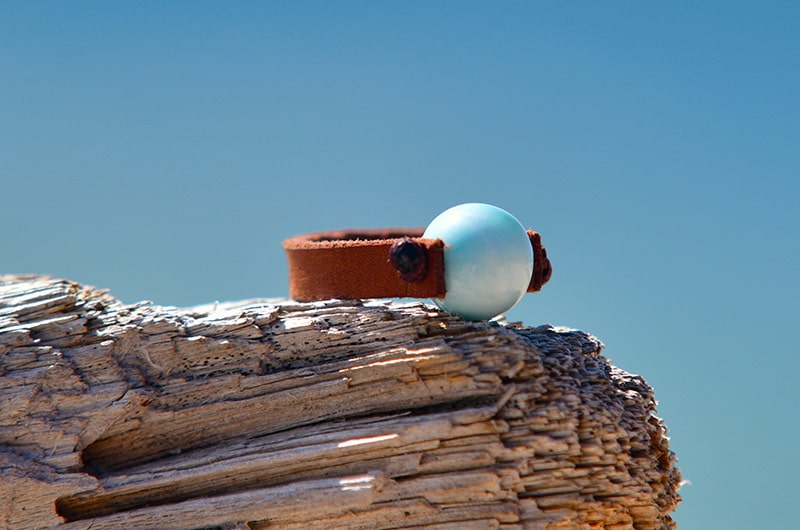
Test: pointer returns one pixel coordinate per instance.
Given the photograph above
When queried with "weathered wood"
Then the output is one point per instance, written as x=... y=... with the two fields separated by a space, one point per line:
x=337 y=414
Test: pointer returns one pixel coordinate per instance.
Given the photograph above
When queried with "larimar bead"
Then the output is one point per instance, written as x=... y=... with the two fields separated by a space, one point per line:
x=488 y=260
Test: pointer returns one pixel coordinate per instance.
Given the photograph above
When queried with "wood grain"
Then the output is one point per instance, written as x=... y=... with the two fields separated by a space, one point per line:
x=336 y=414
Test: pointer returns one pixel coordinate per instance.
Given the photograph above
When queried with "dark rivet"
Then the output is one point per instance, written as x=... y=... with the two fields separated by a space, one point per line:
x=410 y=258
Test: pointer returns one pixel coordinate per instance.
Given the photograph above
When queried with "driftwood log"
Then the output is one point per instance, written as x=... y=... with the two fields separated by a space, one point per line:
x=337 y=414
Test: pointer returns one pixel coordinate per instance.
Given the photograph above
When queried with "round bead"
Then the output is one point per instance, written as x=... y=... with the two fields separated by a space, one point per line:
x=488 y=260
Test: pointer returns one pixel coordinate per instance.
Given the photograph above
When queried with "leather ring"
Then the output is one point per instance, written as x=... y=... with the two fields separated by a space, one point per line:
x=383 y=263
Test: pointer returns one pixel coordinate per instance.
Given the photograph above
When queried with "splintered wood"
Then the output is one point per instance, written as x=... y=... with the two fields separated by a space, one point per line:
x=339 y=414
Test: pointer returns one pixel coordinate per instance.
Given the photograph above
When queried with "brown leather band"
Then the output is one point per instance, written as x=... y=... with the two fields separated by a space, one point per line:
x=385 y=263
x=542 y=269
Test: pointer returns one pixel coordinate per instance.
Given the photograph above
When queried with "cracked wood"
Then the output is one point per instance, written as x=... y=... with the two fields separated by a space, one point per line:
x=336 y=414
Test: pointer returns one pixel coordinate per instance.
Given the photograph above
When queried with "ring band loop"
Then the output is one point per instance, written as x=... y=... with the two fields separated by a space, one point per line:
x=352 y=264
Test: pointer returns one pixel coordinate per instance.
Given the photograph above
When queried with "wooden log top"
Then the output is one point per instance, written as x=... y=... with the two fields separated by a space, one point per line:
x=336 y=414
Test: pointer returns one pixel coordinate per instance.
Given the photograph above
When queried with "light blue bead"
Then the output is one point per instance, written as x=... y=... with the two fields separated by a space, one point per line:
x=488 y=260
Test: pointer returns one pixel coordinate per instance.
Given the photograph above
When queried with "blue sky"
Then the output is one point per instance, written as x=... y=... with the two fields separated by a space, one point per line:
x=164 y=150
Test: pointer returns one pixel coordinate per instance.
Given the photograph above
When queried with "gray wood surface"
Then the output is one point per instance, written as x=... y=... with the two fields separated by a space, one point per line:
x=337 y=414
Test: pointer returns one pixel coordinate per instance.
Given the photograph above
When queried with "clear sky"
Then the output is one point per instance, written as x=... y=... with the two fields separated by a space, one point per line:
x=163 y=150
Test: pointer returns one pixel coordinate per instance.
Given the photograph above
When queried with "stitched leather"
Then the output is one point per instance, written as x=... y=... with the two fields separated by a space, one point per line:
x=357 y=264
